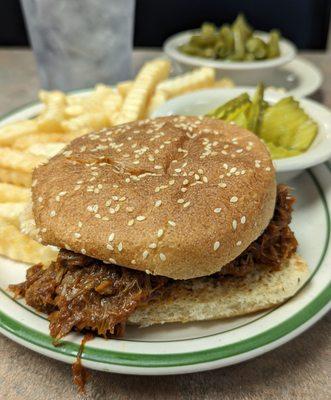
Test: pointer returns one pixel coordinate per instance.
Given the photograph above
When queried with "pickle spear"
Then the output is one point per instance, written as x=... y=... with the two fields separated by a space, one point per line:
x=256 y=47
x=255 y=111
x=241 y=23
x=208 y=28
x=226 y=35
x=273 y=44
x=236 y=42
x=239 y=44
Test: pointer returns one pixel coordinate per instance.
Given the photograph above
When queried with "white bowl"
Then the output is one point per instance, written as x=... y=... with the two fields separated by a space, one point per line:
x=202 y=101
x=254 y=70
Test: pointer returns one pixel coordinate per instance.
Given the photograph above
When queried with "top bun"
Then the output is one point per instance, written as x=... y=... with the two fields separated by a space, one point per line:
x=174 y=196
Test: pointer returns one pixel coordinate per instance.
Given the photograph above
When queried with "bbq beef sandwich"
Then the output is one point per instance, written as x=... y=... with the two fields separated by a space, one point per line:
x=164 y=220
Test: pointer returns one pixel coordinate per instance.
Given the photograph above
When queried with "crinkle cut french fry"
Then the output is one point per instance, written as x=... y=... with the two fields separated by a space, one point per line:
x=50 y=119
x=224 y=83
x=112 y=104
x=11 y=132
x=47 y=150
x=15 y=245
x=11 y=212
x=157 y=99
x=93 y=121
x=28 y=140
x=74 y=110
x=13 y=193
x=18 y=160
x=196 y=79
x=15 y=177
x=114 y=118
x=28 y=223
x=124 y=88
x=92 y=102
x=69 y=136
x=134 y=106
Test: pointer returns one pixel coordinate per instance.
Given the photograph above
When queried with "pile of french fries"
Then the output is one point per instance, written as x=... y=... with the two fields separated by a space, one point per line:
x=26 y=144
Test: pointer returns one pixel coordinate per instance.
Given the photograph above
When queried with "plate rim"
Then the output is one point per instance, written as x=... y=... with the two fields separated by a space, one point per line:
x=310 y=86
x=288 y=328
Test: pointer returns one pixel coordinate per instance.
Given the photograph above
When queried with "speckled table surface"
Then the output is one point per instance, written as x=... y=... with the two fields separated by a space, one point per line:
x=300 y=369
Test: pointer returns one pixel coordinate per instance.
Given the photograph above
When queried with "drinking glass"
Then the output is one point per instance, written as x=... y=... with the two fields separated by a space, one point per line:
x=79 y=43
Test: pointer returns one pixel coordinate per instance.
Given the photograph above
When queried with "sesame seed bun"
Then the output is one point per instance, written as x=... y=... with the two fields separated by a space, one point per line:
x=174 y=196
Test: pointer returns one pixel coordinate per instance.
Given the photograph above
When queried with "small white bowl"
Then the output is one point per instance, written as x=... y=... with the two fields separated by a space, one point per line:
x=202 y=101
x=254 y=70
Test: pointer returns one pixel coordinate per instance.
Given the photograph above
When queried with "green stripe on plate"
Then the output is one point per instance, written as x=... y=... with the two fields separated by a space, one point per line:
x=104 y=356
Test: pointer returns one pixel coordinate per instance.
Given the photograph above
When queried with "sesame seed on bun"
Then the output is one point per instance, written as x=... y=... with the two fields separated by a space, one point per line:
x=174 y=196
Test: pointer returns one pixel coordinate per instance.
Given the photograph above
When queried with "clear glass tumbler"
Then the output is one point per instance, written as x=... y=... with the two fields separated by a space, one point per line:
x=78 y=43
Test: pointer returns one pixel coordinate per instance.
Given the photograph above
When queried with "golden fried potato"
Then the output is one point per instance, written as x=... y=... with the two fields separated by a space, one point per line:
x=112 y=104
x=13 y=193
x=50 y=119
x=47 y=150
x=197 y=79
x=124 y=88
x=156 y=101
x=26 y=141
x=135 y=103
x=89 y=121
x=224 y=83
x=15 y=177
x=11 y=212
x=90 y=102
x=18 y=160
x=15 y=245
x=13 y=131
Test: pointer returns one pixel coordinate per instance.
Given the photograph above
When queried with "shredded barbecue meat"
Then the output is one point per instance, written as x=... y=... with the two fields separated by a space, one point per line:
x=79 y=374
x=82 y=293
x=277 y=242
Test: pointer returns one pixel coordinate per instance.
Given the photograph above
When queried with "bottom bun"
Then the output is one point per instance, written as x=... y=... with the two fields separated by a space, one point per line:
x=207 y=299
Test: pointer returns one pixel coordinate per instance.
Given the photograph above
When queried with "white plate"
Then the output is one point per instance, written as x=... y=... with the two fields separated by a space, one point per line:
x=179 y=348
x=176 y=348
x=300 y=78
x=202 y=101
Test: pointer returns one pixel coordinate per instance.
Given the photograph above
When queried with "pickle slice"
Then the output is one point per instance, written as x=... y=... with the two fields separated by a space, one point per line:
x=285 y=124
x=285 y=127
x=277 y=152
